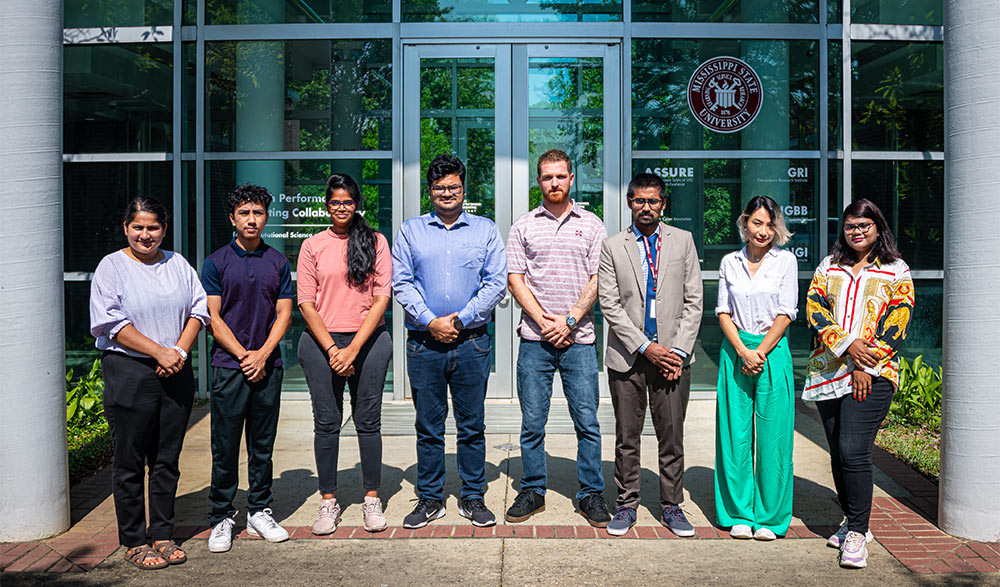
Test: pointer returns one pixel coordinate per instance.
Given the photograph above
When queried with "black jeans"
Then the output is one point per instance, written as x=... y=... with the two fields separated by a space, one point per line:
x=147 y=416
x=238 y=405
x=850 y=428
x=326 y=389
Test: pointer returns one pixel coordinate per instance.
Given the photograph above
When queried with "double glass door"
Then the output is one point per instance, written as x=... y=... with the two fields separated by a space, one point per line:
x=498 y=107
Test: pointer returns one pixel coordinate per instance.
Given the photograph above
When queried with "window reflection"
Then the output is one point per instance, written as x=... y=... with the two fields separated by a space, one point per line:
x=296 y=11
x=777 y=11
x=511 y=10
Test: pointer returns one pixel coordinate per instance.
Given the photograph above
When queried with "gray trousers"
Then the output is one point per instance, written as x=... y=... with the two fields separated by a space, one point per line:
x=631 y=392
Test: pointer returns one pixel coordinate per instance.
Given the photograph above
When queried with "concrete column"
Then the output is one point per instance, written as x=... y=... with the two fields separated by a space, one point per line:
x=34 y=480
x=970 y=427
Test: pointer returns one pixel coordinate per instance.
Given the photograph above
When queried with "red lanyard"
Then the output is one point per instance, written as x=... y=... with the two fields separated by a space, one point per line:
x=654 y=265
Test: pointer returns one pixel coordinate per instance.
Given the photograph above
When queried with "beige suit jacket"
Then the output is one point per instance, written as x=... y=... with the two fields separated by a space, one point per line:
x=622 y=291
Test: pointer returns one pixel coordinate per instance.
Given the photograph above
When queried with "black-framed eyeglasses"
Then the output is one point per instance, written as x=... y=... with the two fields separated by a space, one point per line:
x=454 y=189
x=341 y=204
x=653 y=202
x=862 y=227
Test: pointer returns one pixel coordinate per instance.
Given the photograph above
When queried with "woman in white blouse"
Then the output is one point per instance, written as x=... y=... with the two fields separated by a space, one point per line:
x=146 y=308
x=755 y=413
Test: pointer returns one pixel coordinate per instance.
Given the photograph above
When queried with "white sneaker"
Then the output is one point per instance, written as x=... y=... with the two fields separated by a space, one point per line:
x=854 y=554
x=374 y=518
x=263 y=525
x=764 y=534
x=838 y=537
x=221 y=539
x=741 y=532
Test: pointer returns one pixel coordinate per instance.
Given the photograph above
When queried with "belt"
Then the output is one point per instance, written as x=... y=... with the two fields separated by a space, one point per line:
x=425 y=337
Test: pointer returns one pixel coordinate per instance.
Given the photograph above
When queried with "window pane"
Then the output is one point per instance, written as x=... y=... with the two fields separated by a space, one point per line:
x=118 y=98
x=293 y=11
x=115 y=13
x=707 y=196
x=835 y=91
x=898 y=101
x=911 y=195
x=96 y=195
x=299 y=95
x=782 y=11
x=662 y=119
x=298 y=187
x=511 y=11
x=834 y=11
x=896 y=11
x=188 y=96
x=923 y=337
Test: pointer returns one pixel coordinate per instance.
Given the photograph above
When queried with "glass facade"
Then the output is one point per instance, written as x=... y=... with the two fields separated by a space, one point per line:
x=284 y=92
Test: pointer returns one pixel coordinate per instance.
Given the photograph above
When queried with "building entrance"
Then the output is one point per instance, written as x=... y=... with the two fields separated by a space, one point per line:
x=498 y=107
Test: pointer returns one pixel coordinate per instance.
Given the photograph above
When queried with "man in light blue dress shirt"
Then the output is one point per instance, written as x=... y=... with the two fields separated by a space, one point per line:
x=449 y=270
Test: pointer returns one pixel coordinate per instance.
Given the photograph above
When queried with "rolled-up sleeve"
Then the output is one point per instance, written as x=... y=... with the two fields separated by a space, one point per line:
x=722 y=302
x=788 y=290
x=107 y=316
x=306 y=274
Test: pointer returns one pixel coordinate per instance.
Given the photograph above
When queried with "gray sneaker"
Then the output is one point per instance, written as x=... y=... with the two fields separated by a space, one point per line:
x=674 y=519
x=854 y=553
x=622 y=522
x=838 y=537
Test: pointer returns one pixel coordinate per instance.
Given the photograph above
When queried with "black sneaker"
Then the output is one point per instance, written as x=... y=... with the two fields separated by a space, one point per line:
x=426 y=511
x=526 y=504
x=593 y=508
x=475 y=510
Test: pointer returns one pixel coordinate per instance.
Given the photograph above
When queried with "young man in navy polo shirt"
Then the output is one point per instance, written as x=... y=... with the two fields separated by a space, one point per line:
x=249 y=287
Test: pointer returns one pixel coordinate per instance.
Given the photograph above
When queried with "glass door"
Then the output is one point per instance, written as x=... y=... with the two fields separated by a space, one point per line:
x=498 y=107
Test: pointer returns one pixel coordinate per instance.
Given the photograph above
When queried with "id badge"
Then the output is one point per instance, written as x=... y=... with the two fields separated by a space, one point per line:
x=652 y=309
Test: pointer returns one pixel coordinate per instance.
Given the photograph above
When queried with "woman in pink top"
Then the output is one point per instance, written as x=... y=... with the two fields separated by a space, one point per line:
x=344 y=276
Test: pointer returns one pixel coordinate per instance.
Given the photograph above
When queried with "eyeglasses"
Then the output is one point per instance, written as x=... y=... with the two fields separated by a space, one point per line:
x=653 y=202
x=341 y=204
x=863 y=227
x=451 y=189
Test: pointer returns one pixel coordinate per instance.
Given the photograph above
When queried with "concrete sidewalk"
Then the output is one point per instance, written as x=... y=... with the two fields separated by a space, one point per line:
x=555 y=547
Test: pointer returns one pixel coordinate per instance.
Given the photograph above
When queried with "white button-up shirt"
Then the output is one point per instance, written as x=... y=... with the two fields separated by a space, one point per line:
x=755 y=302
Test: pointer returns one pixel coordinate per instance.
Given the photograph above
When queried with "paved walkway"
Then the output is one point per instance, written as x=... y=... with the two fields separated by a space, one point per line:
x=556 y=547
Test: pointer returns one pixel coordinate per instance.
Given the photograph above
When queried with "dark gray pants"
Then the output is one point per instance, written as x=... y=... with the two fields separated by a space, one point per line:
x=147 y=416
x=643 y=385
x=326 y=389
x=238 y=405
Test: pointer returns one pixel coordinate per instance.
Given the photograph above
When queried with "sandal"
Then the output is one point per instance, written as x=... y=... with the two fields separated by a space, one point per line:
x=167 y=548
x=137 y=556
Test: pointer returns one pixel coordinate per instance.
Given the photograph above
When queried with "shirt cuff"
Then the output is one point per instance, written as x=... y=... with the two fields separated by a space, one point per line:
x=873 y=371
x=644 y=346
x=680 y=353
x=425 y=317
x=113 y=332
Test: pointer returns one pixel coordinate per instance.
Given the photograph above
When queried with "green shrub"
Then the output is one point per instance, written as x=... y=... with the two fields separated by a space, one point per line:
x=85 y=400
x=89 y=449
x=918 y=399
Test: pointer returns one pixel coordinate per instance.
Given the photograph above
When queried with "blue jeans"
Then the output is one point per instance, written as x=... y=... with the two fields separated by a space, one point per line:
x=433 y=367
x=577 y=364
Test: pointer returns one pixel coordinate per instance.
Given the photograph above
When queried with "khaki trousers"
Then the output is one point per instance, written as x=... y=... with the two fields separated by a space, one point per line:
x=631 y=392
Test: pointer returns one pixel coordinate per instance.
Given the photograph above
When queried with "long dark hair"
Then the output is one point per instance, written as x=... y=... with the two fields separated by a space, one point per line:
x=885 y=246
x=360 y=236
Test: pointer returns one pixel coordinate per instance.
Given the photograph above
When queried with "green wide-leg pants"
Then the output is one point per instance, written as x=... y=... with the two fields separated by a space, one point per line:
x=755 y=424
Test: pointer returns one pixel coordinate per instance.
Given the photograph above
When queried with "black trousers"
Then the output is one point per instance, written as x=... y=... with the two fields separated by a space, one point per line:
x=326 y=389
x=147 y=416
x=238 y=405
x=851 y=427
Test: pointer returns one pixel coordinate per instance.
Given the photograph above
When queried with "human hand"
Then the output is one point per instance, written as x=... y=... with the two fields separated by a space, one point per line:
x=442 y=328
x=342 y=360
x=555 y=330
x=253 y=365
x=859 y=351
x=861 y=383
x=168 y=362
x=753 y=360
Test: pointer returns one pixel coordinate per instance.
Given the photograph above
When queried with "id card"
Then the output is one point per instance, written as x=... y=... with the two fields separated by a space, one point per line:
x=652 y=309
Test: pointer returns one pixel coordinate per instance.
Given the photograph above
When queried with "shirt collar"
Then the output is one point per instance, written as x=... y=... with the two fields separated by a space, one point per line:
x=242 y=253
x=463 y=218
x=574 y=210
x=773 y=251
x=639 y=235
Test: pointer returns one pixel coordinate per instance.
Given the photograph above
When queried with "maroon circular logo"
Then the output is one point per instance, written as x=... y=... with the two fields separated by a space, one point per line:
x=724 y=94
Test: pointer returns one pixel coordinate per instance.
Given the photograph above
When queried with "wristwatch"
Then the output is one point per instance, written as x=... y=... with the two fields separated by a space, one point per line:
x=570 y=321
x=181 y=352
x=457 y=323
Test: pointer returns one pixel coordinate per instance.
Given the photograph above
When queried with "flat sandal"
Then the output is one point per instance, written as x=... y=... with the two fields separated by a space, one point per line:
x=139 y=554
x=167 y=548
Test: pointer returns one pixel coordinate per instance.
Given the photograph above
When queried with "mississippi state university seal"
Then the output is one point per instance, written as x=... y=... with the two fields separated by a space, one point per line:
x=724 y=94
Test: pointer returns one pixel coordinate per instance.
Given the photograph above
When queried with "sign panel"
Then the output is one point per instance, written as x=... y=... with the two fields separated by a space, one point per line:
x=724 y=94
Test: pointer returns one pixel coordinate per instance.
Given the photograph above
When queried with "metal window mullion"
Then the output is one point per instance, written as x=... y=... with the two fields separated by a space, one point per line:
x=846 y=102
x=626 y=115
x=294 y=31
x=300 y=155
x=176 y=131
x=725 y=154
x=398 y=340
x=824 y=132
x=199 y=190
x=707 y=30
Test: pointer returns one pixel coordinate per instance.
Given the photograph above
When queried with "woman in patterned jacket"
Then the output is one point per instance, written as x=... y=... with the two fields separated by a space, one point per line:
x=859 y=303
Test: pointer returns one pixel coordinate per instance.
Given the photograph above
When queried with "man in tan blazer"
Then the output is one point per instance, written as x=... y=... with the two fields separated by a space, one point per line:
x=650 y=291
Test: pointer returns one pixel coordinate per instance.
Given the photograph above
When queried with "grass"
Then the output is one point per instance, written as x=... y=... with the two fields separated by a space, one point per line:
x=917 y=446
x=89 y=449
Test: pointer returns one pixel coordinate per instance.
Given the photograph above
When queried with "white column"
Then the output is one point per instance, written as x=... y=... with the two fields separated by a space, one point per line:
x=34 y=481
x=970 y=427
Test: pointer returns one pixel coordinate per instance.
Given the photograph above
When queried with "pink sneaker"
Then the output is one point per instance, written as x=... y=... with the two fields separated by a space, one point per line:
x=328 y=517
x=374 y=518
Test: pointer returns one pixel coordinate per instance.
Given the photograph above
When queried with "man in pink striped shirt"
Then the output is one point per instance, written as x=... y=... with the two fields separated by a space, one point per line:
x=553 y=254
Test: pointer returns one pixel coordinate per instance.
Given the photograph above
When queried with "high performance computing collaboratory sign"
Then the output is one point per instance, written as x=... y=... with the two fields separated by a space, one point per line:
x=724 y=94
